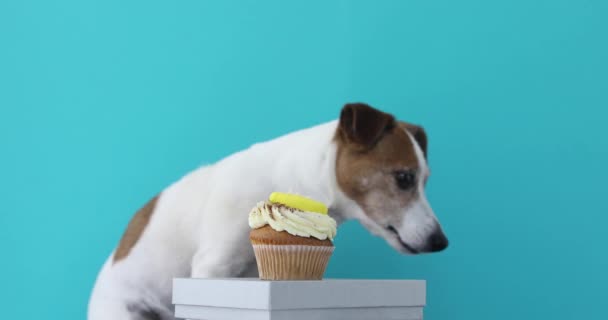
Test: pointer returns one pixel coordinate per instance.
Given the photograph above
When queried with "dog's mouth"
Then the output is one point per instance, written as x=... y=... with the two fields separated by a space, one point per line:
x=405 y=245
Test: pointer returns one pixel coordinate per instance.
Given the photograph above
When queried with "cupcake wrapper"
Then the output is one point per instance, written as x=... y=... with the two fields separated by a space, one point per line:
x=292 y=262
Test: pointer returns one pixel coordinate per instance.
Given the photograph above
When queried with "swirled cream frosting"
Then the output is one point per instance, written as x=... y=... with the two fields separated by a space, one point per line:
x=294 y=221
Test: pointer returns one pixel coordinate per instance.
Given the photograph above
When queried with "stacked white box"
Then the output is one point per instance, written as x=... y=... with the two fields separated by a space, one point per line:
x=253 y=299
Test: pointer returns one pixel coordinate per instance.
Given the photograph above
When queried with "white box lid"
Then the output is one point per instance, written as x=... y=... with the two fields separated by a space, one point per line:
x=249 y=293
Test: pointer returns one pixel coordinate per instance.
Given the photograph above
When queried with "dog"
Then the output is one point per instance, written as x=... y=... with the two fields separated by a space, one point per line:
x=366 y=166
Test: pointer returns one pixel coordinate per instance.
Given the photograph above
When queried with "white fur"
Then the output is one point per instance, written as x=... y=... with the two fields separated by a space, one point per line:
x=199 y=226
x=419 y=220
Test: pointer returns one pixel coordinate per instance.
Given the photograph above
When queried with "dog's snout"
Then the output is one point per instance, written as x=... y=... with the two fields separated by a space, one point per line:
x=438 y=241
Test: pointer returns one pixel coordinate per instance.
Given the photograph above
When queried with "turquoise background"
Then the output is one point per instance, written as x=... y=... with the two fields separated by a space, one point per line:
x=104 y=103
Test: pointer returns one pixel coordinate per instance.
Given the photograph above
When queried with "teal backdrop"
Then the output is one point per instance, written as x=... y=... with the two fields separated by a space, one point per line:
x=104 y=103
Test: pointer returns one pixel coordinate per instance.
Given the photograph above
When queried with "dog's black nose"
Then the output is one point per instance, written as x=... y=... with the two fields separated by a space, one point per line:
x=437 y=241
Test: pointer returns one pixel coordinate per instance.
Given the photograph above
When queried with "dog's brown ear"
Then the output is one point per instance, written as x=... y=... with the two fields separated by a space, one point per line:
x=418 y=133
x=364 y=125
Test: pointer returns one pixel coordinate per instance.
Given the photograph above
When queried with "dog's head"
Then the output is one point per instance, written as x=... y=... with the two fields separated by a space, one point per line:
x=381 y=166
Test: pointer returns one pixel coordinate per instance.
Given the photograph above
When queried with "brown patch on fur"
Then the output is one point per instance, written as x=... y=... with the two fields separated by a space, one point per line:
x=363 y=125
x=267 y=235
x=418 y=133
x=365 y=173
x=135 y=229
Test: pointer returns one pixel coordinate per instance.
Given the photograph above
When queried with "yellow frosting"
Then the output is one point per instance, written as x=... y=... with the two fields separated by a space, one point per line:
x=298 y=202
x=292 y=220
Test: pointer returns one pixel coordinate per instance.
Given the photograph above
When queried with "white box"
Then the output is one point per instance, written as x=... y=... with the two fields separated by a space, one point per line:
x=253 y=299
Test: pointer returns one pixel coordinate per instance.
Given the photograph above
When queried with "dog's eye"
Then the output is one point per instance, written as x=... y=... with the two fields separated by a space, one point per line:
x=405 y=179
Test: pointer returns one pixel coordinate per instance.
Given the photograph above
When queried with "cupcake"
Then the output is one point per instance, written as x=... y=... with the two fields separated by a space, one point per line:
x=291 y=237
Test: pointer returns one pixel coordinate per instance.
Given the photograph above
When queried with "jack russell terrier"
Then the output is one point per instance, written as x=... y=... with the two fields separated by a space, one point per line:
x=365 y=166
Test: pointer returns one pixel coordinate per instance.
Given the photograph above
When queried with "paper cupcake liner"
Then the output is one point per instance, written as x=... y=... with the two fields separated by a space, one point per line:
x=292 y=262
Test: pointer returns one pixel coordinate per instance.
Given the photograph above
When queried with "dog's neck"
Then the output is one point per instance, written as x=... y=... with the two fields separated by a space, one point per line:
x=308 y=167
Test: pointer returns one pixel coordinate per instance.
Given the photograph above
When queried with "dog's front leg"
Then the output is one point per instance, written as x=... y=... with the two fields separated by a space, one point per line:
x=213 y=264
x=224 y=255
